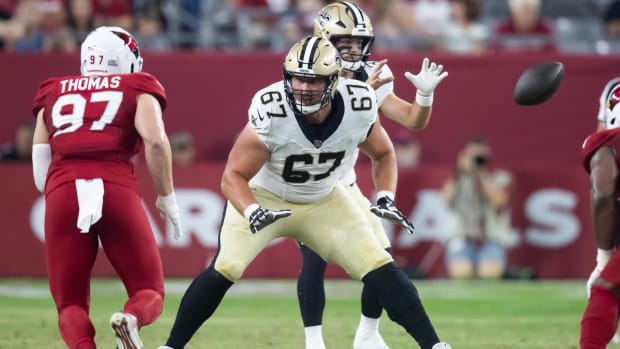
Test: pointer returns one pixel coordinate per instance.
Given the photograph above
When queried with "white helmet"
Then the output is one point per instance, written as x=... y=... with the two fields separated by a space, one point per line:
x=612 y=110
x=110 y=50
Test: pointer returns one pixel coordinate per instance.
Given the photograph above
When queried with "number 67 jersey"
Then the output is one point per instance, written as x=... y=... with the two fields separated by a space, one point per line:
x=90 y=121
x=307 y=161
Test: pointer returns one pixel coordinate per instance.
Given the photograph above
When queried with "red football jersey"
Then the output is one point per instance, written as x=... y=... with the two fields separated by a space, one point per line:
x=604 y=138
x=90 y=121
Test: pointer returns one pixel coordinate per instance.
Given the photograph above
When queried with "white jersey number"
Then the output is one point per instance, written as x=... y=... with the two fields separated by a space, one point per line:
x=65 y=123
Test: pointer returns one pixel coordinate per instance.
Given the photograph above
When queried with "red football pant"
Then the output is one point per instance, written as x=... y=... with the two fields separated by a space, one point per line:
x=129 y=244
x=600 y=318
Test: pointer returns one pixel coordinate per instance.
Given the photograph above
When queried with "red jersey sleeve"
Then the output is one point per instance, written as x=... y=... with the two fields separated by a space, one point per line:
x=597 y=140
x=147 y=83
x=42 y=95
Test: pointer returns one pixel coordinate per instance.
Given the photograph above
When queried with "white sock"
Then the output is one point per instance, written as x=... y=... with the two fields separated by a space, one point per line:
x=314 y=337
x=369 y=324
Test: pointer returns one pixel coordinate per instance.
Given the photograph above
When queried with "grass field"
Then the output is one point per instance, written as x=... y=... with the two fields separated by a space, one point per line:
x=264 y=314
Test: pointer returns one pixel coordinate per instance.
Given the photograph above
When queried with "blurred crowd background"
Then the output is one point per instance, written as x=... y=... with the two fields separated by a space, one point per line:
x=454 y=26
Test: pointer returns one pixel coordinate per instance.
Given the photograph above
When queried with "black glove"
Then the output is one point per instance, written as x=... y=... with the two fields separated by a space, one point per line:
x=261 y=218
x=385 y=208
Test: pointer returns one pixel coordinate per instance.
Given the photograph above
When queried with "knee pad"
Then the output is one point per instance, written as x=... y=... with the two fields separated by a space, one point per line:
x=230 y=269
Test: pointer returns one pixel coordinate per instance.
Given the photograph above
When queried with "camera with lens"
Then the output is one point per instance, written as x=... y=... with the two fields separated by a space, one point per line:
x=479 y=160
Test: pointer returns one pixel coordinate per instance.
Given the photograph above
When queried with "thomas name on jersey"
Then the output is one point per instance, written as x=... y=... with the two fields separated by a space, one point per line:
x=90 y=83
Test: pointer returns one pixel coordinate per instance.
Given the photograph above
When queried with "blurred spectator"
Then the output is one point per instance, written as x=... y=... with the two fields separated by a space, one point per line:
x=80 y=18
x=525 y=29
x=183 y=151
x=218 y=27
x=24 y=28
x=20 y=149
x=431 y=17
x=113 y=13
x=611 y=20
x=57 y=35
x=407 y=148
x=465 y=34
x=295 y=21
x=150 y=26
x=393 y=25
x=287 y=32
x=479 y=198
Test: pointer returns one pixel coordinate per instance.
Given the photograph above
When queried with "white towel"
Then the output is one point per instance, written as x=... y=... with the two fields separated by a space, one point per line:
x=90 y=202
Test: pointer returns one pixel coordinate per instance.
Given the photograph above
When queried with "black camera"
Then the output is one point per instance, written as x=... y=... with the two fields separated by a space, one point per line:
x=480 y=160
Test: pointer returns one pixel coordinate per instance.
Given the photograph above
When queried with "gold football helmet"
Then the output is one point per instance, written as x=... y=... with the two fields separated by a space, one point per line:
x=344 y=19
x=315 y=58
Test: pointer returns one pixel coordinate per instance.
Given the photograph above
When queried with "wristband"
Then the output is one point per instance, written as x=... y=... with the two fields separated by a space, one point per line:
x=383 y=193
x=169 y=199
x=248 y=210
x=422 y=100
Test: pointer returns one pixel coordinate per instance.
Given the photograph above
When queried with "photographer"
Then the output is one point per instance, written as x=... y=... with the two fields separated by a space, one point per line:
x=479 y=198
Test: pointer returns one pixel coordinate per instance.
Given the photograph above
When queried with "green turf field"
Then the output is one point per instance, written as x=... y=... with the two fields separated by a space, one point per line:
x=264 y=314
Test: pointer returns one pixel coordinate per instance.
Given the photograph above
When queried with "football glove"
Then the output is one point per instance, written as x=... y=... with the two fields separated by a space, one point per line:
x=602 y=257
x=426 y=81
x=168 y=209
x=385 y=208
x=260 y=218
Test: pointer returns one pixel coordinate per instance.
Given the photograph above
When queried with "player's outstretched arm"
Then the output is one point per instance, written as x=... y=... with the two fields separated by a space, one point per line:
x=603 y=179
x=379 y=148
x=416 y=115
x=150 y=127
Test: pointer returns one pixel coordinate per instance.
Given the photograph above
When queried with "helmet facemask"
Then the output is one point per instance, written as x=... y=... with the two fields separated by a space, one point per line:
x=299 y=100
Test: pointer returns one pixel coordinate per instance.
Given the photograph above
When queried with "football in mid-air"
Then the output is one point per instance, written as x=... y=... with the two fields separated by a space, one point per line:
x=538 y=83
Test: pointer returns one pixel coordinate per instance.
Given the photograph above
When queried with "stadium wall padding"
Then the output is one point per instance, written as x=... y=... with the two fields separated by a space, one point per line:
x=551 y=224
x=209 y=94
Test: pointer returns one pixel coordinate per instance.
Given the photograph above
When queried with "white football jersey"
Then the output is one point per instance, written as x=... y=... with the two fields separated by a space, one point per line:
x=306 y=162
x=382 y=92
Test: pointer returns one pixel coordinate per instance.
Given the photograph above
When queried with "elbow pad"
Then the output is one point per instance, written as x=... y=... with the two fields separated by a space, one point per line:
x=41 y=159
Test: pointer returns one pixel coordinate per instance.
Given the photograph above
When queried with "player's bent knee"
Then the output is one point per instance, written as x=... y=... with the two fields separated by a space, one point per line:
x=461 y=270
x=490 y=270
x=230 y=269
x=375 y=265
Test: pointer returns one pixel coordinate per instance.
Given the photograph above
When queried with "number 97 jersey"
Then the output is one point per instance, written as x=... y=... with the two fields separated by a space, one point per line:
x=90 y=121
x=307 y=161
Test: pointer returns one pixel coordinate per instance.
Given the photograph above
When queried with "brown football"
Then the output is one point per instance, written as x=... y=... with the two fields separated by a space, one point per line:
x=538 y=83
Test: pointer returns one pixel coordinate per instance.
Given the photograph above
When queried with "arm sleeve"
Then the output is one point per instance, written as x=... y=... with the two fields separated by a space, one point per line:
x=41 y=159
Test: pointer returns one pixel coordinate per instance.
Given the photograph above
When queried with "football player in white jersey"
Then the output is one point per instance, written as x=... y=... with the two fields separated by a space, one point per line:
x=349 y=28
x=282 y=179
